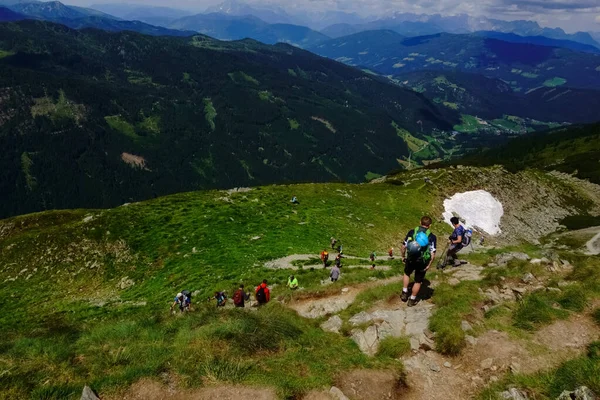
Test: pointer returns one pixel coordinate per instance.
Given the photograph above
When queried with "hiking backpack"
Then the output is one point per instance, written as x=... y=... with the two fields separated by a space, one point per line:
x=466 y=239
x=238 y=297
x=424 y=251
x=261 y=296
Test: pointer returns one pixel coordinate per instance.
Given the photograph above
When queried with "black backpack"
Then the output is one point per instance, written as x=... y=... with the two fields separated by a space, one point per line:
x=261 y=296
x=187 y=294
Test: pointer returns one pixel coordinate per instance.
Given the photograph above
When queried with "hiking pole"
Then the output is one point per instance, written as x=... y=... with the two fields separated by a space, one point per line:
x=442 y=261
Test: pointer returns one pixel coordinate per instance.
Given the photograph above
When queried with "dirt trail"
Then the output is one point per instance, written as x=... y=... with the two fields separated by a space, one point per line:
x=493 y=355
x=287 y=262
x=315 y=308
x=148 y=389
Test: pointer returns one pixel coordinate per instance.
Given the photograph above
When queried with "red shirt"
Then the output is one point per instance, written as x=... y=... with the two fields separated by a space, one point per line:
x=267 y=292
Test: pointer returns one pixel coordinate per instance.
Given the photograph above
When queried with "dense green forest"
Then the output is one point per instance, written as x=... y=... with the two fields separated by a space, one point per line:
x=96 y=119
x=574 y=150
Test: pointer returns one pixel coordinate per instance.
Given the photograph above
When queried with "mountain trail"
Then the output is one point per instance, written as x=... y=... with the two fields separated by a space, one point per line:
x=332 y=304
x=486 y=359
x=287 y=262
x=148 y=389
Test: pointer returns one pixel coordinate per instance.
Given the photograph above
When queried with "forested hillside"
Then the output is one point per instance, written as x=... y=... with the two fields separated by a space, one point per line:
x=96 y=119
x=573 y=150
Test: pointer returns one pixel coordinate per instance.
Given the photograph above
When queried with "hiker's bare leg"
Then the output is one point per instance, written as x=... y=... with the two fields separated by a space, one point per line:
x=406 y=281
x=415 y=288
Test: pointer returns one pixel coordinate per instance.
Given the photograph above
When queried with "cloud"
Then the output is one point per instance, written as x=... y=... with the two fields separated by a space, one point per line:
x=598 y=19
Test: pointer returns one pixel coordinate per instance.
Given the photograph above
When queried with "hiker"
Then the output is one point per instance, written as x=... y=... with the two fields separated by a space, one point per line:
x=292 y=282
x=333 y=242
x=294 y=200
x=221 y=299
x=372 y=257
x=391 y=253
x=338 y=260
x=335 y=273
x=324 y=257
x=455 y=242
x=340 y=249
x=262 y=293
x=183 y=299
x=418 y=253
x=240 y=297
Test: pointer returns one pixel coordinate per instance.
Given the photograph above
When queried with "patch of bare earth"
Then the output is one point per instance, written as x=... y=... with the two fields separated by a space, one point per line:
x=134 y=161
x=569 y=336
x=371 y=384
x=494 y=354
x=147 y=389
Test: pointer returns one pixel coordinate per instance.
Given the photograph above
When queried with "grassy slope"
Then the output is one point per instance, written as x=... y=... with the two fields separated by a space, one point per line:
x=64 y=321
x=53 y=328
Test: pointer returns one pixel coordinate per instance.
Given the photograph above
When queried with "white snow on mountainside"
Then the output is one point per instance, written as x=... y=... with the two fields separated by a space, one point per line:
x=479 y=209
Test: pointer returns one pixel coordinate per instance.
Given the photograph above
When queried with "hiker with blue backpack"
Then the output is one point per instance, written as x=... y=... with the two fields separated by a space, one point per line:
x=418 y=253
x=459 y=239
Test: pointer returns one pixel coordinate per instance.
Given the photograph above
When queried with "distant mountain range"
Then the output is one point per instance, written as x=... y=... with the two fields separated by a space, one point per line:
x=79 y=18
x=95 y=119
x=493 y=99
x=161 y=16
x=227 y=27
x=421 y=24
x=523 y=66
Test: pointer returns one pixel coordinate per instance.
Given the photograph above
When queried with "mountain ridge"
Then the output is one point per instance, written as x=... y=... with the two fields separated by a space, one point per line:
x=125 y=102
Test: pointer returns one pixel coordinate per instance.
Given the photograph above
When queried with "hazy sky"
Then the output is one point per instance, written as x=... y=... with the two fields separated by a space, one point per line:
x=571 y=15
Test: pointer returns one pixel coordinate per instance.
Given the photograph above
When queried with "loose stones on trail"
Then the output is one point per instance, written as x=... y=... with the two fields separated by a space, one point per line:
x=581 y=393
x=333 y=324
x=503 y=259
x=411 y=322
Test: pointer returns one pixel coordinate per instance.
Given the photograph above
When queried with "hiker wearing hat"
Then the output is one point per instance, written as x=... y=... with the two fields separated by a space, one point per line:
x=418 y=253
x=292 y=282
x=183 y=301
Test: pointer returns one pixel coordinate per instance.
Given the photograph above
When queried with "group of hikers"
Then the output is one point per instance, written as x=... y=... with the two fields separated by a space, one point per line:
x=418 y=254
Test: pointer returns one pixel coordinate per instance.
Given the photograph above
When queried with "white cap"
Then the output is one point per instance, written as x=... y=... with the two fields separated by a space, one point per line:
x=179 y=294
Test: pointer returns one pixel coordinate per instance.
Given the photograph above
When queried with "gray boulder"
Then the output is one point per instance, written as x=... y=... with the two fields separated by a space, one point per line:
x=513 y=394
x=361 y=318
x=88 y=394
x=504 y=258
x=581 y=393
x=337 y=394
x=333 y=324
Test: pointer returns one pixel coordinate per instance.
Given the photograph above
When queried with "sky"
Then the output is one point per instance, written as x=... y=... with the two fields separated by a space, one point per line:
x=571 y=15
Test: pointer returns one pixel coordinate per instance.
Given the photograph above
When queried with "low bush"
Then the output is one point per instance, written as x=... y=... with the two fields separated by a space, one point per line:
x=393 y=347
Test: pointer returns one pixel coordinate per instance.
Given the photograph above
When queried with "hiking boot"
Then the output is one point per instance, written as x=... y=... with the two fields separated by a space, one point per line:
x=412 y=302
x=404 y=296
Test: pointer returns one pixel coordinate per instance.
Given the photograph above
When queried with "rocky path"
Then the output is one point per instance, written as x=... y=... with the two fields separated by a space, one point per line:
x=593 y=245
x=320 y=307
x=347 y=262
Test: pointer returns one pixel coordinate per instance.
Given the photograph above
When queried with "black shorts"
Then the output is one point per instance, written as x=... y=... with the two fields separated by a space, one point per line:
x=418 y=268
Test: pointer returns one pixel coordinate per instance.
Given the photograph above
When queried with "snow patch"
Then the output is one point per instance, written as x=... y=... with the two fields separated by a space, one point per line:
x=479 y=209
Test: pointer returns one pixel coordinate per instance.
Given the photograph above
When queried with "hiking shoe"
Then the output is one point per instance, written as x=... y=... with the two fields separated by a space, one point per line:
x=412 y=302
x=404 y=296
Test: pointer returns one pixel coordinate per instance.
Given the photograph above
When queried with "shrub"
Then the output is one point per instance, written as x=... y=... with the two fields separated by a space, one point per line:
x=393 y=347
x=536 y=310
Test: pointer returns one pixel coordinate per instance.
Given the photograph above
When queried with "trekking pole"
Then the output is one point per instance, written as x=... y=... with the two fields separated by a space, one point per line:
x=442 y=260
